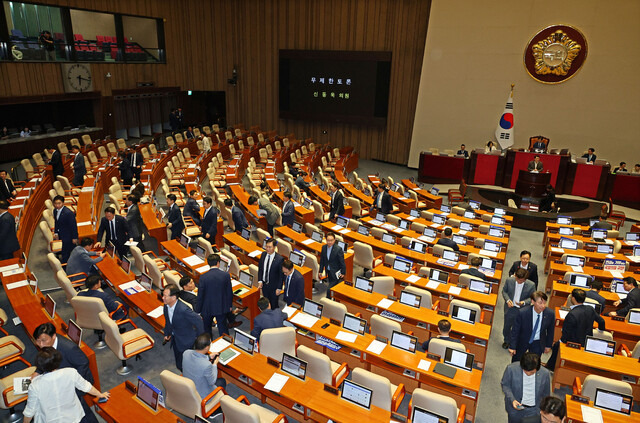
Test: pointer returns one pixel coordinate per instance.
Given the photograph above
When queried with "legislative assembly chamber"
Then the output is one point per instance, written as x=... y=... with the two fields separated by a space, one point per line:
x=320 y=210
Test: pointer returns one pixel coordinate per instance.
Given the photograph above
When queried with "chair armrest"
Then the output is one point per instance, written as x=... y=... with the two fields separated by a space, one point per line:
x=577 y=386
x=358 y=314
x=188 y=221
x=436 y=305
x=125 y=321
x=335 y=381
x=624 y=348
x=5 y=397
x=243 y=398
x=397 y=397
x=13 y=359
x=120 y=306
x=136 y=339
x=461 y=413
x=208 y=398
x=482 y=316
x=410 y=333
x=280 y=418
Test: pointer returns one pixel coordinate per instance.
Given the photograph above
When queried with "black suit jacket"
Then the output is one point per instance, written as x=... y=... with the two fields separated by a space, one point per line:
x=275 y=276
x=135 y=223
x=122 y=230
x=214 y=293
x=66 y=226
x=294 y=290
x=532 y=268
x=589 y=157
x=6 y=189
x=334 y=263
x=185 y=326
x=268 y=319
x=579 y=324
x=595 y=296
x=175 y=218
x=474 y=272
x=533 y=166
x=189 y=297
x=56 y=163
x=192 y=209
x=126 y=171
x=139 y=161
x=523 y=326
x=448 y=242
x=337 y=205
x=632 y=301
x=72 y=356
x=9 y=243
x=288 y=213
x=210 y=224
x=387 y=204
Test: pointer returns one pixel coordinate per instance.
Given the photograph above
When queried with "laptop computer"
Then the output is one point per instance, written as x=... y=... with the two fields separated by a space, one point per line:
x=312 y=308
x=420 y=415
x=363 y=284
x=354 y=324
x=600 y=346
x=613 y=401
x=356 y=394
x=294 y=366
x=464 y=314
x=410 y=299
x=460 y=359
x=74 y=332
x=403 y=341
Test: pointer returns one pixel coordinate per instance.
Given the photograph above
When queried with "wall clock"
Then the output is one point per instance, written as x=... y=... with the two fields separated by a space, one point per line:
x=76 y=77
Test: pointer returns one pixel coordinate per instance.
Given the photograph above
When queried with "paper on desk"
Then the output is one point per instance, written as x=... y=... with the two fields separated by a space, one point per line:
x=591 y=415
x=563 y=313
x=131 y=285
x=557 y=250
x=462 y=232
x=577 y=269
x=16 y=206
x=455 y=290
x=289 y=310
x=193 y=260
x=276 y=383
x=434 y=225
x=411 y=218
x=203 y=269
x=344 y=231
x=219 y=345
x=462 y=266
x=433 y=284
x=425 y=238
x=14 y=285
x=385 y=303
x=616 y=274
x=631 y=243
x=9 y=267
x=336 y=227
x=610 y=256
x=413 y=278
x=634 y=259
x=398 y=230
x=87 y=189
x=376 y=346
x=304 y=319
x=84 y=223
x=254 y=253
x=489 y=253
x=234 y=283
x=608 y=241
x=388 y=226
x=16 y=321
x=424 y=365
x=346 y=336
x=131 y=243
x=308 y=241
x=156 y=312
x=13 y=272
x=375 y=222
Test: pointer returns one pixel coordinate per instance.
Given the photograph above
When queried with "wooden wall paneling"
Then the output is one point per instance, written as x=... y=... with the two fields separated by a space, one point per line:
x=144 y=113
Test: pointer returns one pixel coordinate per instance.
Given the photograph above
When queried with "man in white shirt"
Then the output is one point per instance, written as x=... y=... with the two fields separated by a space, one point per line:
x=516 y=293
x=525 y=384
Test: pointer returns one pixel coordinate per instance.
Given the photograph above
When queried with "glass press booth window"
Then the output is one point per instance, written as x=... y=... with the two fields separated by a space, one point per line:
x=36 y=32
x=94 y=36
x=141 y=41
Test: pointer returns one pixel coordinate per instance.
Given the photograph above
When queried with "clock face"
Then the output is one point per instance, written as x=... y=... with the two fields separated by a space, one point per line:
x=79 y=77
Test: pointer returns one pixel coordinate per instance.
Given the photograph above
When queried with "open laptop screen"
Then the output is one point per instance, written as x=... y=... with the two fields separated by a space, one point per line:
x=317 y=236
x=200 y=252
x=445 y=209
x=246 y=278
x=480 y=286
x=294 y=366
x=613 y=401
x=438 y=275
x=460 y=359
x=474 y=204
x=246 y=233
x=496 y=232
x=565 y=231
x=429 y=232
x=420 y=415
x=402 y=265
x=244 y=341
x=599 y=233
x=363 y=230
x=632 y=236
x=404 y=341
x=469 y=214
x=354 y=324
x=466 y=226
x=364 y=284
x=464 y=314
x=634 y=317
x=568 y=243
x=312 y=308
x=74 y=332
x=604 y=248
x=297 y=258
x=418 y=247
x=459 y=239
x=388 y=238
x=410 y=299
x=342 y=221
x=147 y=393
x=297 y=226
x=184 y=240
x=450 y=255
x=439 y=219
x=356 y=394
x=579 y=280
x=575 y=261
x=50 y=306
x=490 y=245
x=600 y=346
x=125 y=264
x=564 y=220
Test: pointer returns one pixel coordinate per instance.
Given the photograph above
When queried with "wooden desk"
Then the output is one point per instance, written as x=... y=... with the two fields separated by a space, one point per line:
x=404 y=204
x=574 y=413
x=477 y=222
x=303 y=242
x=442 y=169
x=123 y=406
x=557 y=271
x=432 y=201
x=156 y=227
x=573 y=362
x=422 y=322
x=352 y=190
x=593 y=258
x=243 y=198
x=561 y=291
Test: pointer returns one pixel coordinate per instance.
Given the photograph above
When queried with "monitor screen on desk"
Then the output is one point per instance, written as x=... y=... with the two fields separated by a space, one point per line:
x=565 y=231
x=466 y=226
x=184 y=240
x=388 y=238
x=568 y=243
x=312 y=308
x=33 y=282
x=145 y=281
x=499 y=212
x=224 y=263
x=459 y=239
x=490 y=245
x=488 y=263
x=464 y=314
x=604 y=248
x=496 y=232
x=246 y=278
x=634 y=317
x=342 y=221
x=599 y=233
x=200 y=252
x=450 y=255
x=125 y=264
x=438 y=275
x=564 y=220
x=593 y=222
x=497 y=220
x=418 y=246
x=402 y=265
x=613 y=401
x=434 y=191
x=404 y=224
x=364 y=284
x=297 y=258
x=469 y=214
x=111 y=249
x=430 y=233
x=244 y=341
x=632 y=236
x=404 y=341
x=381 y=217
x=580 y=280
x=246 y=233
x=474 y=204
x=297 y=226
x=636 y=250
x=342 y=245
x=307 y=204
x=414 y=213
x=317 y=236
x=596 y=307
x=294 y=366
x=148 y=394
x=574 y=261
x=394 y=187
x=75 y=332
x=618 y=287
x=460 y=359
x=354 y=324
x=439 y=219
x=478 y=285
x=600 y=346
x=50 y=306
x=410 y=299
x=363 y=230
x=356 y=394
x=420 y=415
x=445 y=209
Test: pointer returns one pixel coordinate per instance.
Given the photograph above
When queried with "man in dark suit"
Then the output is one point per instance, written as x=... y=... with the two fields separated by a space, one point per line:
x=190 y=134
x=446 y=239
x=182 y=325
x=590 y=155
x=270 y=274
x=337 y=201
x=79 y=169
x=126 y=171
x=134 y=220
x=93 y=290
x=209 y=221
x=383 y=201
x=632 y=300
x=332 y=262
x=56 y=162
x=475 y=262
x=192 y=208
x=444 y=328
x=539 y=146
x=535 y=165
x=594 y=293
x=516 y=293
x=237 y=215
x=7 y=190
x=215 y=296
x=82 y=260
x=174 y=217
x=522 y=395
x=288 y=210
x=116 y=228
x=9 y=244
x=136 y=161
x=186 y=293
x=66 y=227
x=293 y=284
x=602 y=223
x=301 y=183
x=267 y=319
x=463 y=151
x=578 y=324
x=525 y=263
x=532 y=330
x=72 y=356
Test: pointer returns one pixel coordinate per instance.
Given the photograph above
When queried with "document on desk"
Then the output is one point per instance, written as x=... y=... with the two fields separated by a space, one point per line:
x=634 y=259
x=14 y=285
x=577 y=269
x=616 y=274
x=203 y=269
x=375 y=222
x=131 y=243
x=424 y=365
x=13 y=272
x=336 y=227
x=289 y=310
x=346 y=336
x=388 y=226
x=9 y=267
x=304 y=319
x=131 y=288
x=385 y=303
x=156 y=312
x=85 y=224
x=455 y=290
x=463 y=232
x=488 y=253
x=308 y=241
x=557 y=250
x=344 y=231
x=193 y=260
x=591 y=415
x=463 y=266
x=563 y=313
x=254 y=253
x=434 y=225
x=398 y=230
x=411 y=218
x=276 y=383
x=433 y=285
x=413 y=278
x=376 y=347
x=219 y=345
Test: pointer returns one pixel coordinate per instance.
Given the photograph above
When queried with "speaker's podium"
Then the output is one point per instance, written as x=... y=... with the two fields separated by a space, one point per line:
x=532 y=184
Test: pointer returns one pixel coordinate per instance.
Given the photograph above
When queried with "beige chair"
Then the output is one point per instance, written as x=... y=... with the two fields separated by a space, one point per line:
x=332 y=309
x=384 y=285
x=3 y=320
x=54 y=263
x=381 y=326
x=63 y=282
x=284 y=248
x=438 y=346
x=274 y=342
x=442 y=405
x=86 y=139
x=318 y=211
x=11 y=347
x=236 y=412
x=122 y=145
x=438 y=249
x=181 y=395
x=28 y=168
x=236 y=266
x=87 y=310
x=54 y=246
x=311 y=262
x=564 y=257
x=602 y=334
x=154 y=272
x=635 y=353
x=363 y=256
x=129 y=344
x=426 y=300
x=385 y=395
x=465 y=279
x=321 y=368
x=208 y=248
x=593 y=382
x=356 y=208
x=471 y=306
x=9 y=399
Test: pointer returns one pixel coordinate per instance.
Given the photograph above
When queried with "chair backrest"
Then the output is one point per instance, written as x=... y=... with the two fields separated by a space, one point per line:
x=465 y=279
x=103 y=152
x=380 y=386
x=91 y=155
x=137 y=258
x=363 y=255
x=438 y=249
x=383 y=284
x=318 y=364
x=635 y=353
x=382 y=326
x=204 y=243
x=48 y=217
x=62 y=147
x=593 y=382
x=602 y=334
x=112 y=335
x=37 y=158
x=426 y=300
x=112 y=148
x=435 y=403
x=311 y=261
x=275 y=341
x=153 y=271
x=46 y=231
x=438 y=346
x=87 y=310
x=234 y=267
x=284 y=248
x=63 y=282
x=332 y=309
x=466 y=304
x=86 y=139
x=54 y=263
x=237 y=412
x=181 y=394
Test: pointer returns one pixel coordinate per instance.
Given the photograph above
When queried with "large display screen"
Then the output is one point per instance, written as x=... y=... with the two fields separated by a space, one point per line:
x=338 y=86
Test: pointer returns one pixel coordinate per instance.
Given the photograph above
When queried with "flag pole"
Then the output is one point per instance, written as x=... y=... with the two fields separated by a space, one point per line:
x=512 y=85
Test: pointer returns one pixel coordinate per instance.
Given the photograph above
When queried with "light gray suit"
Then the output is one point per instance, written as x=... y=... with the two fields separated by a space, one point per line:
x=508 y=291
x=81 y=261
x=201 y=371
x=272 y=212
x=512 y=388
